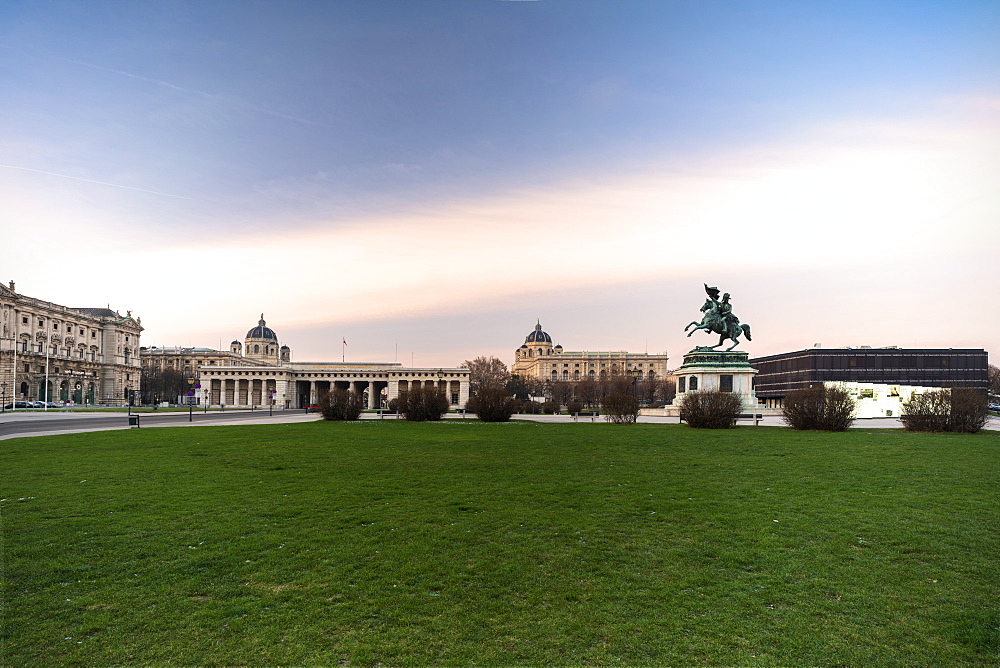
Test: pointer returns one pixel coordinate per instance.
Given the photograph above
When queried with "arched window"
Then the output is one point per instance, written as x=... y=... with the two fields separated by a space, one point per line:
x=554 y=375
x=256 y=349
x=565 y=375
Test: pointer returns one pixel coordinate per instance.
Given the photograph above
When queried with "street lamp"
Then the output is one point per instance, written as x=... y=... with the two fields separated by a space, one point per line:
x=635 y=373
x=3 y=397
x=190 y=399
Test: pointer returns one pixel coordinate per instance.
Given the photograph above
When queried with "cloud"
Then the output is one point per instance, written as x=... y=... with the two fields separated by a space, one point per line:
x=878 y=199
x=96 y=182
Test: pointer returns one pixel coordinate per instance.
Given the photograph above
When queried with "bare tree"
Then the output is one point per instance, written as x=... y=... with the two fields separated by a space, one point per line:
x=588 y=391
x=994 y=376
x=486 y=372
x=560 y=392
x=666 y=389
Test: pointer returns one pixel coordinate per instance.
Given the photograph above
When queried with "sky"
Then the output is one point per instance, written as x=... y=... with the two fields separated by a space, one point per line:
x=427 y=180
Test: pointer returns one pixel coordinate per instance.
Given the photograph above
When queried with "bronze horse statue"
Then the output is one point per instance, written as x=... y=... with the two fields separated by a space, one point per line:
x=720 y=319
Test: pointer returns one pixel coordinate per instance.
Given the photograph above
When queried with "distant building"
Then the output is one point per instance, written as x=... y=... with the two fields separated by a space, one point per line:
x=260 y=371
x=919 y=367
x=261 y=345
x=538 y=358
x=49 y=352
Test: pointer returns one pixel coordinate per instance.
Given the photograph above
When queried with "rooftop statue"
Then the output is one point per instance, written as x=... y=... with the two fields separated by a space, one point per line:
x=719 y=319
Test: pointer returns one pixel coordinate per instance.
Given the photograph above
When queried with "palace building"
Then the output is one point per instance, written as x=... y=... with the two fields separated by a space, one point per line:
x=538 y=358
x=260 y=372
x=50 y=352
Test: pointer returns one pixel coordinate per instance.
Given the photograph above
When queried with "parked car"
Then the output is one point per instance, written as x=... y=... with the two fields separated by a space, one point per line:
x=17 y=404
x=995 y=407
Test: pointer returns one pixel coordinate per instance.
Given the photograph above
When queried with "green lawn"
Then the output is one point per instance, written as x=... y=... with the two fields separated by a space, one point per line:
x=465 y=543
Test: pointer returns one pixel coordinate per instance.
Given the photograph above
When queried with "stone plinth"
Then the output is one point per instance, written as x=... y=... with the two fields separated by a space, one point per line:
x=728 y=371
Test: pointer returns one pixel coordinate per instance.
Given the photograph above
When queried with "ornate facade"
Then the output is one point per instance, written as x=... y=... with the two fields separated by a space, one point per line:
x=261 y=371
x=538 y=358
x=49 y=352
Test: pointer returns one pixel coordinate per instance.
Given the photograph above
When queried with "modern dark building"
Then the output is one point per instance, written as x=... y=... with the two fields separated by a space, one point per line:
x=928 y=367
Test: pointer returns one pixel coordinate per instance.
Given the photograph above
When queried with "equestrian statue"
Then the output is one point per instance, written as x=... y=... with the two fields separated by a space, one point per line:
x=719 y=319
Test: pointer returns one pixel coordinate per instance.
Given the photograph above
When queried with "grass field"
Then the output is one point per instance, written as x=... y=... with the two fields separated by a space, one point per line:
x=466 y=543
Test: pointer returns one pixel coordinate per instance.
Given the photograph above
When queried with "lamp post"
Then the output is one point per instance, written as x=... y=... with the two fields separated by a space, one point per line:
x=635 y=373
x=190 y=399
x=3 y=397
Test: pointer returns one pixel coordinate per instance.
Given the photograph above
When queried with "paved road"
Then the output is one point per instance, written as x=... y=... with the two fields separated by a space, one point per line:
x=39 y=423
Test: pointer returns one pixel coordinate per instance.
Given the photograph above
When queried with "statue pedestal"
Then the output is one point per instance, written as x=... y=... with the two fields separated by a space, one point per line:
x=728 y=371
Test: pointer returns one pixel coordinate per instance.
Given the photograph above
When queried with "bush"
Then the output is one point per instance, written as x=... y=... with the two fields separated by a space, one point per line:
x=711 y=409
x=550 y=408
x=574 y=407
x=620 y=408
x=422 y=404
x=819 y=407
x=341 y=405
x=493 y=404
x=960 y=410
x=531 y=407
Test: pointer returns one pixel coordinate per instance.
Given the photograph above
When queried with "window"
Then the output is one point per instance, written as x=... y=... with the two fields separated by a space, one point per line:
x=693 y=383
x=682 y=385
x=24 y=320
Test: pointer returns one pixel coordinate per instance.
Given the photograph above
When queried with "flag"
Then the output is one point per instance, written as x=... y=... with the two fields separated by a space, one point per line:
x=345 y=342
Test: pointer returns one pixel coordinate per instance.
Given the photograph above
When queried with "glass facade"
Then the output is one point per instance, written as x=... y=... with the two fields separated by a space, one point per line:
x=931 y=367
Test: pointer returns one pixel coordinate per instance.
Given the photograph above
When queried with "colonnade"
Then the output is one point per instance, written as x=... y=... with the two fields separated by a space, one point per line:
x=258 y=387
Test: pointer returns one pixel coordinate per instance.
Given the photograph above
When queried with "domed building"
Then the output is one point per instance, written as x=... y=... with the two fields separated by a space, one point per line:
x=261 y=343
x=261 y=373
x=538 y=358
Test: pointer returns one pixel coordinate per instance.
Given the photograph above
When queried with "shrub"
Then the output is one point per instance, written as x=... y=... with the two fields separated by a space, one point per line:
x=620 y=408
x=819 y=407
x=550 y=408
x=393 y=405
x=711 y=409
x=959 y=410
x=341 y=405
x=574 y=407
x=493 y=404
x=530 y=407
x=422 y=404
